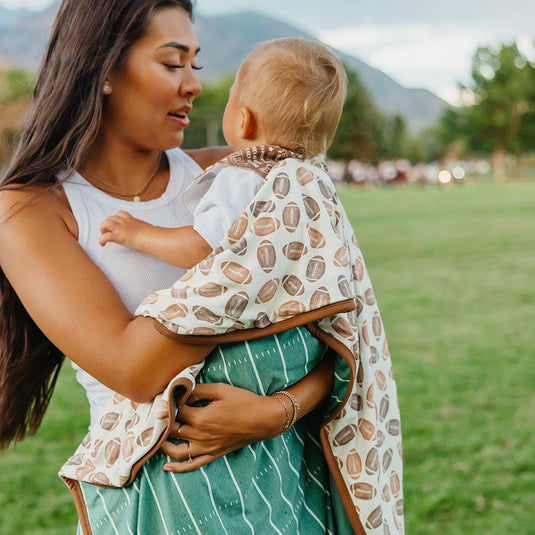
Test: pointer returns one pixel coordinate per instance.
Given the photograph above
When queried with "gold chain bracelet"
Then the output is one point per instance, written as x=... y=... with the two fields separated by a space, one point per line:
x=296 y=408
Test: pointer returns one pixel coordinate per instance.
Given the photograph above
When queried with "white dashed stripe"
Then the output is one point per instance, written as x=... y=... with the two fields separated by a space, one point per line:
x=304 y=345
x=107 y=512
x=253 y=364
x=239 y=492
x=280 y=478
x=209 y=487
x=156 y=499
x=266 y=501
x=281 y=356
x=301 y=487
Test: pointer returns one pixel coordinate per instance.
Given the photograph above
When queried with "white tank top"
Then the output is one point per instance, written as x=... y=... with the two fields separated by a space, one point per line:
x=135 y=275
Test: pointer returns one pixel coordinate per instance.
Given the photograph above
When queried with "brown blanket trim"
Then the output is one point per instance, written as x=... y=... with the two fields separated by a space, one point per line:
x=332 y=463
x=249 y=334
x=172 y=400
x=74 y=485
x=79 y=502
x=339 y=482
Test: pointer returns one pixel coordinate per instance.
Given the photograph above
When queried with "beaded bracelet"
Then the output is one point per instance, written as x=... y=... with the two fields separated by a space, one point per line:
x=295 y=404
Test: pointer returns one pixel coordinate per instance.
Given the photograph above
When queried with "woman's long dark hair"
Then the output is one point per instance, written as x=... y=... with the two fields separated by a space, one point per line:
x=88 y=39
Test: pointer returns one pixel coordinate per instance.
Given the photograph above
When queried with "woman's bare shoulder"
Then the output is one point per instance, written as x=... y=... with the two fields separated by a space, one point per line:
x=208 y=155
x=31 y=202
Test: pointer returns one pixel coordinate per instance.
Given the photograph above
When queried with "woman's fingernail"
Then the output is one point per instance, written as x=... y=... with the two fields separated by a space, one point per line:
x=167 y=468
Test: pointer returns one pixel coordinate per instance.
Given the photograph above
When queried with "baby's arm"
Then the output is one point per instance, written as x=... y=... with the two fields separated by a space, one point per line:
x=182 y=247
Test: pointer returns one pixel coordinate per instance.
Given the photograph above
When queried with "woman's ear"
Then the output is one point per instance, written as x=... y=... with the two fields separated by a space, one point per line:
x=248 y=124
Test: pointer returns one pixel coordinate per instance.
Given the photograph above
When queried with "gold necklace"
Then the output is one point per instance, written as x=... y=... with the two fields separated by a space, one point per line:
x=135 y=197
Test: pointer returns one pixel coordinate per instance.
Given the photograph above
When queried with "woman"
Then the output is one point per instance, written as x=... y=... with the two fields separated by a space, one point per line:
x=111 y=103
x=111 y=119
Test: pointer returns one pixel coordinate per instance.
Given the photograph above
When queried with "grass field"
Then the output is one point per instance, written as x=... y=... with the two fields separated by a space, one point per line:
x=453 y=270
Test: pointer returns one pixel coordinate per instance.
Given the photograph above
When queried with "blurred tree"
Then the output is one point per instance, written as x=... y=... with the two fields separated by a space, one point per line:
x=16 y=87
x=451 y=126
x=415 y=152
x=501 y=119
x=503 y=88
x=359 y=133
x=428 y=146
x=394 y=138
x=14 y=84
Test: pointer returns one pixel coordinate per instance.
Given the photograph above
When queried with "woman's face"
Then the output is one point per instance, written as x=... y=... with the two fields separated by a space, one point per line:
x=152 y=95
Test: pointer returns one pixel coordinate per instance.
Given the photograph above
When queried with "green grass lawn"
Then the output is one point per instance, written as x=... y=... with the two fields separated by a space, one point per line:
x=453 y=270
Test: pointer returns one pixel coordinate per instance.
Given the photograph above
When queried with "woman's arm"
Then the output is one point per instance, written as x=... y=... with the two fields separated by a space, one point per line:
x=76 y=306
x=235 y=418
x=209 y=155
x=78 y=309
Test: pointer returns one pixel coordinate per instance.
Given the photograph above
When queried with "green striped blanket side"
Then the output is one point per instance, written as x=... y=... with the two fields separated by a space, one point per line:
x=279 y=486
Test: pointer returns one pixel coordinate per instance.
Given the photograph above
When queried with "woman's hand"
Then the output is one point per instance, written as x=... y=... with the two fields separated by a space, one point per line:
x=234 y=418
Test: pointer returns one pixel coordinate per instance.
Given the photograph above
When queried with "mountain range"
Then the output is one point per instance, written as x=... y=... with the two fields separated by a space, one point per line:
x=225 y=40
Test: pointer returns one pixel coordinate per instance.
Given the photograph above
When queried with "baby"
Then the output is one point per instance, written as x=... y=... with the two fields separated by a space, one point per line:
x=286 y=101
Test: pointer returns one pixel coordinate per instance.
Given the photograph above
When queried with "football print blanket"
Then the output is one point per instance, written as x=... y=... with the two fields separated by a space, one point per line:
x=290 y=260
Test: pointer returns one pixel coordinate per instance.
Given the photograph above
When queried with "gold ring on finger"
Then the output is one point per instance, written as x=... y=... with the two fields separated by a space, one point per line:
x=178 y=432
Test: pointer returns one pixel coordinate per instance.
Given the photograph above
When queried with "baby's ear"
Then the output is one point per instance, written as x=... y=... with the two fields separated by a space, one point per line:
x=248 y=123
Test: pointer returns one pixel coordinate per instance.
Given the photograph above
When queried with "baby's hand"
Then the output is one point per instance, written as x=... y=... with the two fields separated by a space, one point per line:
x=123 y=229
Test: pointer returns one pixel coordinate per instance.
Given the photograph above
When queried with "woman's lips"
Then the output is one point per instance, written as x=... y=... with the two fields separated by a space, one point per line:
x=181 y=118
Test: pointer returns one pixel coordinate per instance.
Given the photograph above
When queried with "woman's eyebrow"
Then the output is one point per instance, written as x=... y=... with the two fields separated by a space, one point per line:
x=179 y=46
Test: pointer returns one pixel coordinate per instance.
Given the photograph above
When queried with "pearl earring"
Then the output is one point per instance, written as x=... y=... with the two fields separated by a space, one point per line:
x=106 y=89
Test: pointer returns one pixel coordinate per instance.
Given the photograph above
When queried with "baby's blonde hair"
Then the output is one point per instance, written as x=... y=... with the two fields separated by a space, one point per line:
x=296 y=89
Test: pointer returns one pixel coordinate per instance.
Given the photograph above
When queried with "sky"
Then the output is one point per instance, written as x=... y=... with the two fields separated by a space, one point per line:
x=419 y=43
